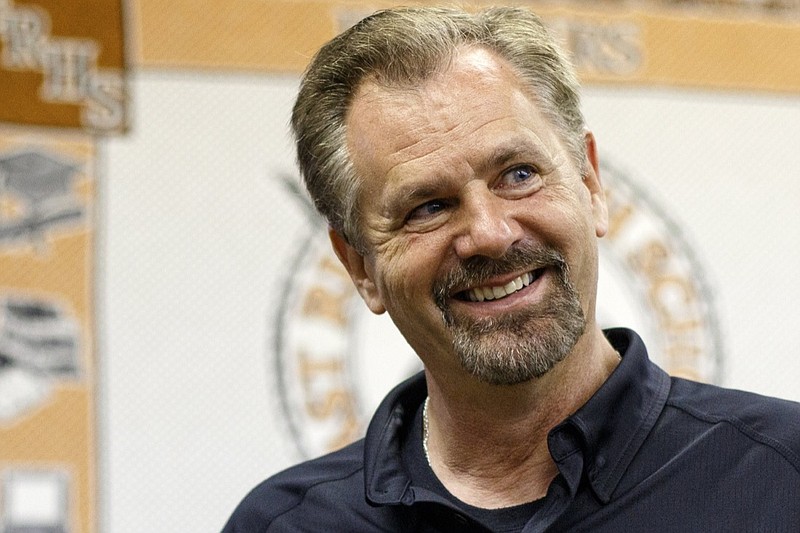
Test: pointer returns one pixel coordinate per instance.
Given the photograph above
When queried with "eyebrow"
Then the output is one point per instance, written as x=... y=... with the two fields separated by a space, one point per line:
x=515 y=148
x=411 y=191
x=410 y=194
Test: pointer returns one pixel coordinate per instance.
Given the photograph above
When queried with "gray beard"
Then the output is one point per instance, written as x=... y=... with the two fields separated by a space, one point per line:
x=517 y=347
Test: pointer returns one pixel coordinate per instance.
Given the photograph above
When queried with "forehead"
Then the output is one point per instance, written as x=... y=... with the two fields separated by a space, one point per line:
x=474 y=103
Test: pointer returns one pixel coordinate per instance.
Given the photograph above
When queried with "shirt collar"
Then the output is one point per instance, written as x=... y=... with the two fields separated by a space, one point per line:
x=385 y=478
x=609 y=429
x=615 y=421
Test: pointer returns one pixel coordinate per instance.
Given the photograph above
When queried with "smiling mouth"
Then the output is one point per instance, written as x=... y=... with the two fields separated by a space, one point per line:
x=482 y=294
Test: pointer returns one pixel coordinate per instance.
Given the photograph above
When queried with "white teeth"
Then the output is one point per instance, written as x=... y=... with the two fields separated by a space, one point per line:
x=479 y=294
x=476 y=296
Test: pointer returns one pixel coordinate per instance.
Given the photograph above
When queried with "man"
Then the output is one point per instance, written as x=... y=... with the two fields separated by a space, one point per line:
x=450 y=157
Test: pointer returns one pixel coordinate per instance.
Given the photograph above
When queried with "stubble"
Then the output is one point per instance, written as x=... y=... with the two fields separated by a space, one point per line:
x=520 y=346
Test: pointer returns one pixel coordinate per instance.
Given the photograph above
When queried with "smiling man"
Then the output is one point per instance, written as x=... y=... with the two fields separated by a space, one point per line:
x=449 y=154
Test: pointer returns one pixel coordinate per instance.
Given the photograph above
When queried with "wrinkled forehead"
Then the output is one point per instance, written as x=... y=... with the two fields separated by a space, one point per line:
x=477 y=87
x=474 y=60
x=379 y=103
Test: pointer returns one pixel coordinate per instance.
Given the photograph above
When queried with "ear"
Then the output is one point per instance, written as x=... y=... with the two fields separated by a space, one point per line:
x=591 y=180
x=359 y=269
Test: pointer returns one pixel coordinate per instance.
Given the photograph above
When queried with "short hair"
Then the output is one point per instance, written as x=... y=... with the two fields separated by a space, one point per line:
x=403 y=47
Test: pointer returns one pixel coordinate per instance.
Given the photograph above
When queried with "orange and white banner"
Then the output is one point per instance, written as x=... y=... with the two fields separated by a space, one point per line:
x=47 y=367
x=63 y=65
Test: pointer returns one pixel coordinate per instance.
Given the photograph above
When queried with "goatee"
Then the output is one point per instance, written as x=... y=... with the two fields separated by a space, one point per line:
x=520 y=346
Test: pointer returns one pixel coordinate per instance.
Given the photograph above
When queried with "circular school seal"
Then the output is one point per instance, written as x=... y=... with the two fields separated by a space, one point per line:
x=335 y=360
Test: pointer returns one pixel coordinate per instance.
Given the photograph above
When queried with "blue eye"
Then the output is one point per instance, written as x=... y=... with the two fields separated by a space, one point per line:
x=520 y=179
x=428 y=209
x=519 y=174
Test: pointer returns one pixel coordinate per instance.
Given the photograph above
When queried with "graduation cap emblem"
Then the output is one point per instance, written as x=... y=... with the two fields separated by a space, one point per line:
x=43 y=183
x=37 y=176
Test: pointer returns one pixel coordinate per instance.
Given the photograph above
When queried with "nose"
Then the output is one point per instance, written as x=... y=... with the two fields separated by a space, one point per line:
x=488 y=226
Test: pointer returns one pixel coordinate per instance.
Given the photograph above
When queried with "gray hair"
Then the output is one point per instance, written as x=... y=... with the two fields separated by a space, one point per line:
x=403 y=47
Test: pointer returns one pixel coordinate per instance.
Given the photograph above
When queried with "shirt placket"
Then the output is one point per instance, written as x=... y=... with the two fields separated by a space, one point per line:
x=565 y=448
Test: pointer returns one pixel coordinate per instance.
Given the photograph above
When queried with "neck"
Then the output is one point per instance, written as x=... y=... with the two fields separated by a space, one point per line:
x=488 y=444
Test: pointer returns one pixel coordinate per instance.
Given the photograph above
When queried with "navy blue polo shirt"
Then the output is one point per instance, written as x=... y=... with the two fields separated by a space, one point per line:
x=646 y=453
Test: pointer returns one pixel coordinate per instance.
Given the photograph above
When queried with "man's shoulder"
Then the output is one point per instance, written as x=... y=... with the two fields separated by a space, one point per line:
x=768 y=421
x=330 y=481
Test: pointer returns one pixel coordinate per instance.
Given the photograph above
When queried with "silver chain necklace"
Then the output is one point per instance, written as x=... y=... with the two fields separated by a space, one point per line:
x=425 y=430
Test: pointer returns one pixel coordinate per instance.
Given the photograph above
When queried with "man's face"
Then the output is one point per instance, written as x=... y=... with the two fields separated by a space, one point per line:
x=480 y=230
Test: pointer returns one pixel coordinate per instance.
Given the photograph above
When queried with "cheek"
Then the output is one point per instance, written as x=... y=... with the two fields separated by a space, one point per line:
x=396 y=275
x=408 y=268
x=582 y=213
x=565 y=224
x=569 y=228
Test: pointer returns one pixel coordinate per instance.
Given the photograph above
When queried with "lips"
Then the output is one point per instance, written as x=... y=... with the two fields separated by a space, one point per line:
x=484 y=280
x=484 y=293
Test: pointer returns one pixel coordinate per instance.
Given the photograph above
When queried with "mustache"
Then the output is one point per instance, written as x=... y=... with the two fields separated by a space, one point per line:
x=476 y=270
